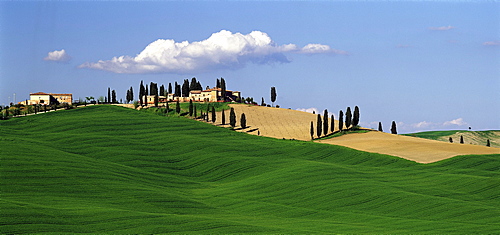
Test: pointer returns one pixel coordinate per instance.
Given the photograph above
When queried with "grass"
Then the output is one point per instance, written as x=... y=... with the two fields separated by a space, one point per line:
x=107 y=169
x=436 y=135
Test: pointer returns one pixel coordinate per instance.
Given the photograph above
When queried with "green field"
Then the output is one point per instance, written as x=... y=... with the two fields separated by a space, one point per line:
x=471 y=137
x=107 y=169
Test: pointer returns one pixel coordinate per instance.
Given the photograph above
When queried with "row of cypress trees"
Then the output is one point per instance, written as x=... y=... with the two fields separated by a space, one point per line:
x=351 y=122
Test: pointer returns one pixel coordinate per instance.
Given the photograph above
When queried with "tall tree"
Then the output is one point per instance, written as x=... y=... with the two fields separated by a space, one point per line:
x=232 y=118
x=185 y=88
x=355 y=117
x=156 y=100
x=243 y=121
x=325 y=122
x=177 y=90
x=177 y=107
x=170 y=88
x=341 y=120
x=146 y=93
x=223 y=118
x=223 y=89
x=488 y=143
x=217 y=84
x=450 y=139
x=273 y=95
x=262 y=103
x=319 y=125
x=191 y=108
x=348 y=118
x=312 y=130
x=195 y=111
x=393 y=128
x=113 y=96
x=332 y=125
x=141 y=93
x=380 y=127
x=461 y=139
x=109 y=95
x=162 y=90
x=193 y=85
x=214 y=114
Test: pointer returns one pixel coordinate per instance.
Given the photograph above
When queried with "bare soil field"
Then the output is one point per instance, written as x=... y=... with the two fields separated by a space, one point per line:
x=411 y=148
x=292 y=124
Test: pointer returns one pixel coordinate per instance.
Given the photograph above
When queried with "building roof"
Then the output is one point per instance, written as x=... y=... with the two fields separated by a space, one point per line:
x=53 y=94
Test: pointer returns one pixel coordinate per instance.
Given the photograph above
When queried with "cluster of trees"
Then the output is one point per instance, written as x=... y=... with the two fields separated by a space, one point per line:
x=322 y=124
x=393 y=127
x=211 y=115
x=111 y=98
x=24 y=109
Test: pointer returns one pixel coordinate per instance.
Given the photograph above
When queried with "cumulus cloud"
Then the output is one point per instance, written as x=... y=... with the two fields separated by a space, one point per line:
x=457 y=122
x=427 y=126
x=309 y=110
x=222 y=50
x=442 y=28
x=58 y=56
x=491 y=43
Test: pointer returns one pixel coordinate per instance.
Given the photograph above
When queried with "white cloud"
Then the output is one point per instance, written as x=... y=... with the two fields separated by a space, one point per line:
x=458 y=122
x=58 y=56
x=442 y=28
x=491 y=43
x=223 y=49
x=309 y=110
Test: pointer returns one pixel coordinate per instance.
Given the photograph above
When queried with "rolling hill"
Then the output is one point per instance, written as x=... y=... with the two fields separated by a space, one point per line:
x=470 y=137
x=107 y=169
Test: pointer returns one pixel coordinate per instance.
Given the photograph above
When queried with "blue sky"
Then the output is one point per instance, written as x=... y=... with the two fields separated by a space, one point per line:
x=428 y=65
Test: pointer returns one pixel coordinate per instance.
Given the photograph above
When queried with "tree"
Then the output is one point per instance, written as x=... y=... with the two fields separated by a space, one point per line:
x=223 y=118
x=319 y=125
x=113 y=96
x=348 y=118
x=450 y=139
x=177 y=107
x=232 y=118
x=191 y=108
x=380 y=126
x=217 y=85
x=170 y=88
x=393 y=128
x=488 y=142
x=208 y=111
x=195 y=111
x=332 y=125
x=262 y=103
x=273 y=95
x=193 y=85
x=461 y=139
x=243 y=121
x=162 y=90
x=341 y=120
x=355 y=118
x=141 y=93
x=156 y=100
x=312 y=130
x=214 y=114
x=223 y=89
x=325 y=122
x=109 y=96
x=177 y=90
x=185 y=88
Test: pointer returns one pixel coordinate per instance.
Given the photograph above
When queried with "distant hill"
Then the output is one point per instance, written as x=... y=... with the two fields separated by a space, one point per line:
x=470 y=137
x=108 y=169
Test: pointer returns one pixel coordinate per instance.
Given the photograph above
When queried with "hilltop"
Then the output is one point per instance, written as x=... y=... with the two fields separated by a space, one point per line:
x=107 y=169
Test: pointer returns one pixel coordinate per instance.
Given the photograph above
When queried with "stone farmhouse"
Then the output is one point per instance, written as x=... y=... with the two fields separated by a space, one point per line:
x=49 y=98
x=209 y=95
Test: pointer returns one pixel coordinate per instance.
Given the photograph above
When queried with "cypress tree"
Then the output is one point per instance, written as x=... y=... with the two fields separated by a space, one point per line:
x=380 y=126
x=262 y=103
x=141 y=93
x=325 y=122
x=232 y=118
x=208 y=111
x=332 y=125
x=131 y=94
x=170 y=88
x=393 y=128
x=162 y=90
x=214 y=114
x=273 y=95
x=243 y=121
x=355 y=118
x=223 y=89
x=195 y=111
x=348 y=118
x=113 y=96
x=178 y=107
x=223 y=118
x=488 y=142
x=312 y=130
x=450 y=139
x=341 y=120
x=177 y=90
x=319 y=125
x=109 y=96
x=191 y=108
x=461 y=139
x=185 y=88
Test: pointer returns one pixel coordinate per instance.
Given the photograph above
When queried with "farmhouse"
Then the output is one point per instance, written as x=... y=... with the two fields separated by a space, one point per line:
x=49 y=98
x=209 y=95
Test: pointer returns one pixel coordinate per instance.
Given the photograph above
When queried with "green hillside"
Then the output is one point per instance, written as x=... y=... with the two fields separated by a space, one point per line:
x=107 y=169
